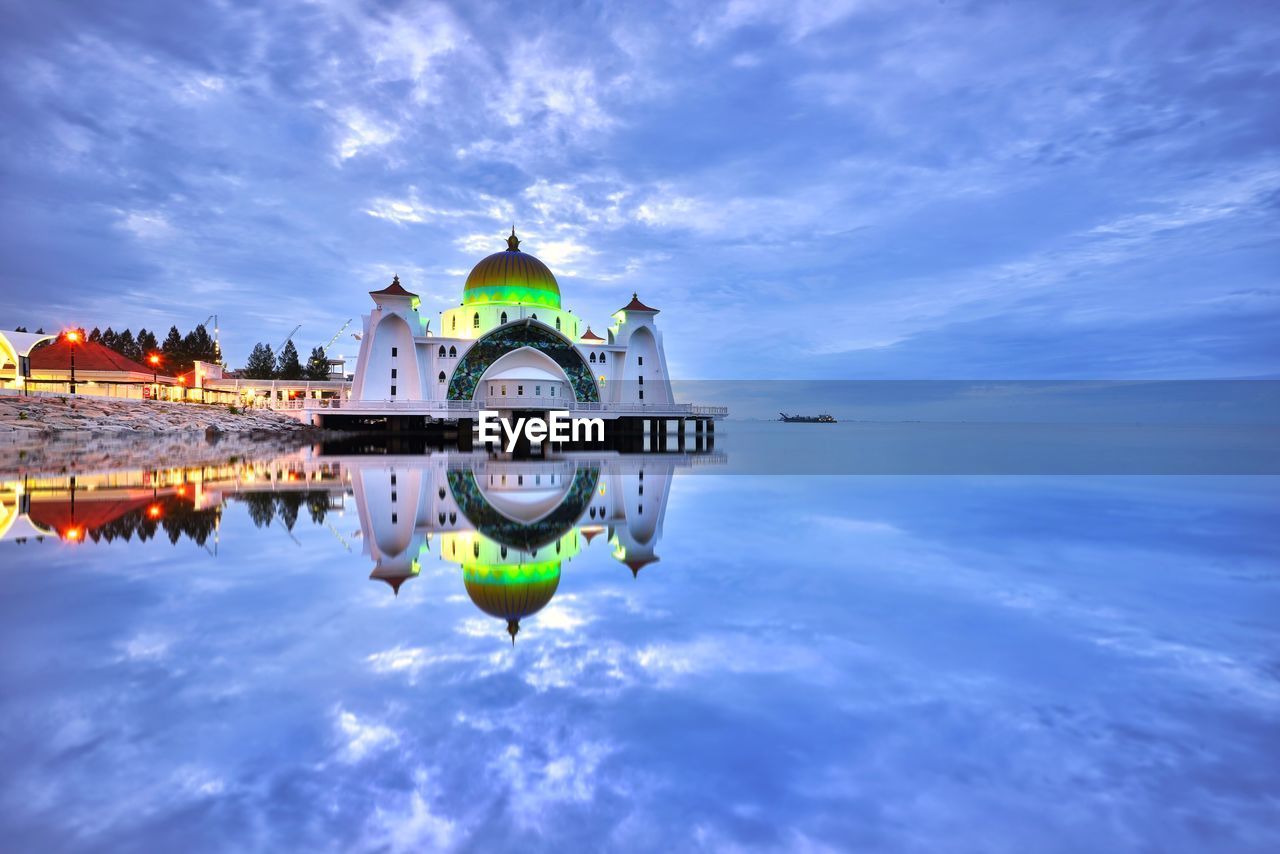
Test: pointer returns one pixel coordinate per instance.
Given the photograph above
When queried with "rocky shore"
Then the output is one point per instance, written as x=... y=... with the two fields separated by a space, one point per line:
x=83 y=433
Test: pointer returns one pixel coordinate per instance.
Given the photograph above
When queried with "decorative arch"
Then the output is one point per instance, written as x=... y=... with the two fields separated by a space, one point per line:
x=453 y=352
x=496 y=343
x=526 y=536
x=441 y=351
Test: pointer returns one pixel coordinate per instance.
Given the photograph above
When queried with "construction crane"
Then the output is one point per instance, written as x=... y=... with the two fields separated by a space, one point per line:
x=213 y=318
x=338 y=333
x=290 y=336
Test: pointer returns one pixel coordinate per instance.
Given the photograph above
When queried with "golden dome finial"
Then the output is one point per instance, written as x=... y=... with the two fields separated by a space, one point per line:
x=513 y=242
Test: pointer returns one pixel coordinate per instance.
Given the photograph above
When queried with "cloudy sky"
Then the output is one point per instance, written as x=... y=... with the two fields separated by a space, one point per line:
x=817 y=188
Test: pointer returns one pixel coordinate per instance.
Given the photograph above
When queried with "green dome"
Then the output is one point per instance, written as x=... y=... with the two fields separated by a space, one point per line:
x=511 y=277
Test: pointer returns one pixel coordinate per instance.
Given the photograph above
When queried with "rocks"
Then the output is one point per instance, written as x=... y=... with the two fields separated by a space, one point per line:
x=49 y=432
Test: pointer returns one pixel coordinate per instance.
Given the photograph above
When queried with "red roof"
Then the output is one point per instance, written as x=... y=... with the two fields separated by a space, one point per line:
x=591 y=336
x=90 y=356
x=636 y=305
x=393 y=290
x=637 y=564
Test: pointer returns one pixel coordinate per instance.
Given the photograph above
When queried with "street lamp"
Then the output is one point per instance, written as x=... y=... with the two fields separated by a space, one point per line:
x=73 y=337
x=155 y=375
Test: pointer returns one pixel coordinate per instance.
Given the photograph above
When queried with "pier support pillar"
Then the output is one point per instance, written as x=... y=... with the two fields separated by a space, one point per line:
x=465 y=426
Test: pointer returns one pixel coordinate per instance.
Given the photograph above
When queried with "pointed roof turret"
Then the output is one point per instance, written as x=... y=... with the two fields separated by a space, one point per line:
x=513 y=242
x=636 y=305
x=393 y=290
x=591 y=336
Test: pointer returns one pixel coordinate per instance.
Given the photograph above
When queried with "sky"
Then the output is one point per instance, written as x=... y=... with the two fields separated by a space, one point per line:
x=810 y=189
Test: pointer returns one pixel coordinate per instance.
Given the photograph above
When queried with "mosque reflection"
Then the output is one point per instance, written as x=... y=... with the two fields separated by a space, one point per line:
x=510 y=526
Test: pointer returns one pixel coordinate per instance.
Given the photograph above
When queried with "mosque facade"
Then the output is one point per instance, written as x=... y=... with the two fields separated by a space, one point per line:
x=511 y=345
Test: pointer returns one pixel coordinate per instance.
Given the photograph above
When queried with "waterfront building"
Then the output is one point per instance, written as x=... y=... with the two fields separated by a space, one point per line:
x=510 y=345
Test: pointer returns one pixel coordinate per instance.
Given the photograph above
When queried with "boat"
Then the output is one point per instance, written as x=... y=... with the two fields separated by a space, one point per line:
x=807 y=419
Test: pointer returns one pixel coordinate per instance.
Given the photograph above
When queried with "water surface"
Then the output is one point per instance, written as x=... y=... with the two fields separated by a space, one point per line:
x=637 y=653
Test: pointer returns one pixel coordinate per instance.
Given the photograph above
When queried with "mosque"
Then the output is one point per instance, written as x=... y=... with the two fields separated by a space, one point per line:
x=511 y=346
x=509 y=526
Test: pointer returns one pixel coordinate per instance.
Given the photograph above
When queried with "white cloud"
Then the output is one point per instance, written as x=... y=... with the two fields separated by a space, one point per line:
x=417 y=826
x=363 y=132
x=146 y=225
x=361 y=739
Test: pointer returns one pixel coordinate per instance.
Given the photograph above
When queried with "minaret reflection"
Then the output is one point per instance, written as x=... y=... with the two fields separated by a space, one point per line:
x=509 y=525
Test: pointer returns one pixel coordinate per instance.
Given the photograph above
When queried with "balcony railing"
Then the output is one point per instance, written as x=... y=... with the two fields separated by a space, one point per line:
x=467 y=406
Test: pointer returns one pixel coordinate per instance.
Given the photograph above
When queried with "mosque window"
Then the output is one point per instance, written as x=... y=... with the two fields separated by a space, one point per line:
x=453 y=352
x=393 y=373
x=537 y=391
x=642 y=474
x=504 y=317
x=557 y=547
x=640 y=489
x=393 y=478
x=475 y=549
x=640 y=380
x=395 y=517
x=520 y=390
x=393 y=391
x=395 y=351
x=453 y=518
x=593 y=358
x=520 y=480
x=553 y=391
x=641 y=509
x=475 y=320
x=641 y=361
x=504 y=391
x=490 y=388
x=393 y=495
x=441 y=351
x=440 y=377
x=455 y=322
x=535 y=317
x=557 y=324
x=504 y=551
x=440 y=492
x=602 y=358
x=642 y=394
x=440 y=519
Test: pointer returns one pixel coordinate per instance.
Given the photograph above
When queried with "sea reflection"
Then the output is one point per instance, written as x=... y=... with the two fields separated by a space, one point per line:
x=508 y=525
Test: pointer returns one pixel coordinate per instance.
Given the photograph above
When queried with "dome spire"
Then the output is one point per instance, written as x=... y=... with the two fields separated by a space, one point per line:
x=513 y=242
x=513 y=626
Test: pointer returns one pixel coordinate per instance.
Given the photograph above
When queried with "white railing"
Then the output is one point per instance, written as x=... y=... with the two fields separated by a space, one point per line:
x=430 y=407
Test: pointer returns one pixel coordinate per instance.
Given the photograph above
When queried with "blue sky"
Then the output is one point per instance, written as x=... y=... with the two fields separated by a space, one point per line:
x=809 y=189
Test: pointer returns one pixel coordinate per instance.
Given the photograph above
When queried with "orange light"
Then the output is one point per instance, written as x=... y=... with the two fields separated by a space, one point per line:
x=154 y=359
x=73 y=533
x=182 y=380
x=154 y=511
x=182 y=490
x=73 y=337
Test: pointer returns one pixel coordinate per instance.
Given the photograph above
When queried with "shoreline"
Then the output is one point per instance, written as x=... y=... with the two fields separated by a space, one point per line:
x=62 y=434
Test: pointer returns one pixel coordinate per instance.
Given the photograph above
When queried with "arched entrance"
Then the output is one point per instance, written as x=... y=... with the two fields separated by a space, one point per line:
x=522 y=334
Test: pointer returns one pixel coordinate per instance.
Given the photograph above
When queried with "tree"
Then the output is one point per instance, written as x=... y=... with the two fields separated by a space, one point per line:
x=198 y=346
x=96 y=335
x=175 y=357
x=318 y=365
x=261 y=364
x=20 y=329
x=147 y=343
x=109 y=338
x=287 y=365
x=127 y=347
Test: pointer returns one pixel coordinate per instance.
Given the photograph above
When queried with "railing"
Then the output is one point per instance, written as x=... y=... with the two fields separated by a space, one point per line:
x=464 y=406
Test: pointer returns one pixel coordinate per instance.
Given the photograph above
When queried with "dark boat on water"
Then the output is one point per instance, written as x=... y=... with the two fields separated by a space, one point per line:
x=806 y=419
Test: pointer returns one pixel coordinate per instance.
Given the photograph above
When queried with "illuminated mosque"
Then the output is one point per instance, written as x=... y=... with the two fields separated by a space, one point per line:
x=508 y=525
x=509 y=346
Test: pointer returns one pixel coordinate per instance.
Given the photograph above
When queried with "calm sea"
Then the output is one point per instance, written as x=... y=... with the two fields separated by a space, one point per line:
x=854 y=637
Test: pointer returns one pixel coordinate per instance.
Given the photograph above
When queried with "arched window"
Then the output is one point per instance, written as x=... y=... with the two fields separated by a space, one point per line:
x=535 y=317
x=504 y=551
x=640 y=380
x=504 y=317
x=453 y=352
x=441 y=351
x=475 y=320
x=642 y=394
x=557 y=324
x=593 y=358
x=602 y=358
x=454 y=321
x=641 y=360
x=475 y=549
x=441 y=493
x=441 y=377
